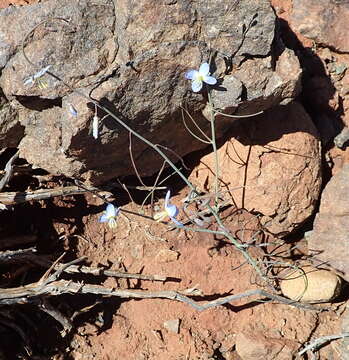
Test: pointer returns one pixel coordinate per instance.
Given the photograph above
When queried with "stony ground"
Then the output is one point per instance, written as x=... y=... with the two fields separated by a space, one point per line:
x=166 y=329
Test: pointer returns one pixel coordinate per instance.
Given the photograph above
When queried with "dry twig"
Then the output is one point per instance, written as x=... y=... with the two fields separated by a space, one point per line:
x=314 y=345
x=13 y=255
x=8 y=171
x=49 y=285
x=76 y=269
x=12 y=198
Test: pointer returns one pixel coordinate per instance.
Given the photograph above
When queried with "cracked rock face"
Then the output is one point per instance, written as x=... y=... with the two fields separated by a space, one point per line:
x=331 y=227
x=271 y=166
x=324 y=21
x=132 y=56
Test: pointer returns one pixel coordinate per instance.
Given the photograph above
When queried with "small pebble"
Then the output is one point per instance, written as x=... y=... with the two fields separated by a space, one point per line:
x=172 y=325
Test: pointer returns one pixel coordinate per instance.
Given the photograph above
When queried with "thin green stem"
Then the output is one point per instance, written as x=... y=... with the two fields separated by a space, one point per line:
x=214 y=147
x=238 y=116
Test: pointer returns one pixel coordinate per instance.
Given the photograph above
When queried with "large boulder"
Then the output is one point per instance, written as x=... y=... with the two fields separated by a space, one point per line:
x=132 y=56
x=271 y=166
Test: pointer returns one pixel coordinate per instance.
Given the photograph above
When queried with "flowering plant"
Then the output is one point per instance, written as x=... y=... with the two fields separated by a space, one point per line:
x=110 y=215
x=199 y=77
x=170 y=211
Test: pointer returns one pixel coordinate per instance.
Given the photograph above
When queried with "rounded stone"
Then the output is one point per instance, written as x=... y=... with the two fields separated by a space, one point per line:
x=312 y=285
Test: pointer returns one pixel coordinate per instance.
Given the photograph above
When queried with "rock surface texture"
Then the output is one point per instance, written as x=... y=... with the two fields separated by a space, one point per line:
x=330 y=237
x=324 y=21
x=309 y=284
x=132 y=56
x=256 y=346
x=271 y=166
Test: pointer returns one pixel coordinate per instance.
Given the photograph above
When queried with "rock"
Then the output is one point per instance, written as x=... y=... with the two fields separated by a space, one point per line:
x=282 y=179
x=132 y=59
x=256 y=346
x=172 y=325
x=267 y=86
x=344 y=343
x=166 y=255
x=324 y=21
x=329 y=238
x=11 y=131
x=309 y=284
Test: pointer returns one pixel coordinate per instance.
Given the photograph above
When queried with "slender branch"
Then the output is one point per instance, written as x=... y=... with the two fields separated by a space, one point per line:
x=16 y=255
x=321 y=341
x=12 y=198
x=76 y=269
x=28 y=293
x=58 y=316
x=8 y=171
x=214 y=148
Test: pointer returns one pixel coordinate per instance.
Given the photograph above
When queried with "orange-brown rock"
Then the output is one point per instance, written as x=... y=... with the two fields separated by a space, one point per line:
x=271 y=165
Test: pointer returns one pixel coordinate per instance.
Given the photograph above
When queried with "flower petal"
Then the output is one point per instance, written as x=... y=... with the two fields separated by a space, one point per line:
x=167 y=198
x=160 y=216
x=29 y=80
x=196 y=85
x=95 y=126
x=103 y=218
x=172 y=210
x=111 y=211
x=178 y=223
x=210 y=80
x=204 y=69
x=41 y=72
x=191 y=74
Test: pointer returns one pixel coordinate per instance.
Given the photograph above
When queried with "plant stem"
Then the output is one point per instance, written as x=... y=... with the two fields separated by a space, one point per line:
x=214 y=147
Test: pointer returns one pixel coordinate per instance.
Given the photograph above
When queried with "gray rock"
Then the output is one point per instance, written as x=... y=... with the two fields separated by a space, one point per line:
x=11 y=131
x=133 y=59
x=329 y=238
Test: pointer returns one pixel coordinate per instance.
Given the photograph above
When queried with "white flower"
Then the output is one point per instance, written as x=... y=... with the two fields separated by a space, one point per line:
x=170 y=211
x=198 y=77
x=110 y=215
x=36 y=78
x=95 y=126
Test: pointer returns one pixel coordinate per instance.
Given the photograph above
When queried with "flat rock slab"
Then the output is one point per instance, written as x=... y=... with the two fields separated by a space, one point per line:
x=330 y=236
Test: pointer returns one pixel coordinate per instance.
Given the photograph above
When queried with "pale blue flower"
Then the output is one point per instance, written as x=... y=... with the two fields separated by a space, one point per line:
x=198 y=77
x=170 y=211
x=36 y=78
x=110 y=215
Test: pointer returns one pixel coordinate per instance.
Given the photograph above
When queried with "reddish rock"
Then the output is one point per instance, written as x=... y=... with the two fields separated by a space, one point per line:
x=256 y=346
x=324 y=21
x=282 y=178
x=330 y=236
